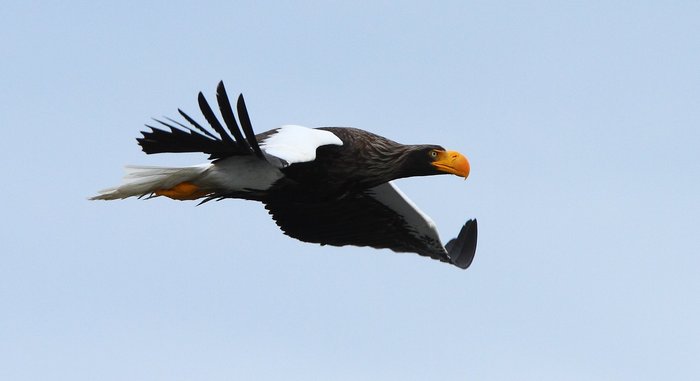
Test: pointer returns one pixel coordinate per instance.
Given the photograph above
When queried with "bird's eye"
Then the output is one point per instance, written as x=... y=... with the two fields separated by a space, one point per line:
x=433 y=154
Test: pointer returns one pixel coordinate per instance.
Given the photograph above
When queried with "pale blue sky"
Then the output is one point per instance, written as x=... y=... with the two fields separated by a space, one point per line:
x=581 y=120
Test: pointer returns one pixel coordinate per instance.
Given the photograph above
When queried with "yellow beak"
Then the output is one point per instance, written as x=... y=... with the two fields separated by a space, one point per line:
x=452 y=162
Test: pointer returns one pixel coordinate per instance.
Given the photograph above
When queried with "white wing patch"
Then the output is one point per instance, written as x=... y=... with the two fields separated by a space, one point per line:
x=422 y=225
x=296 y=144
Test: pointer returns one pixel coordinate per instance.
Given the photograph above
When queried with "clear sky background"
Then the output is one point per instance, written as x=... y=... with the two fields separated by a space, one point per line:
x=581 y=121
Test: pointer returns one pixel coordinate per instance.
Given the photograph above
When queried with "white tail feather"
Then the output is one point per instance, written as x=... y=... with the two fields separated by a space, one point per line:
x=144 y=180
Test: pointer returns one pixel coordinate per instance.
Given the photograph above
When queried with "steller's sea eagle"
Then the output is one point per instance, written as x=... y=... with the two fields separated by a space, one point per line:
x=327 y=185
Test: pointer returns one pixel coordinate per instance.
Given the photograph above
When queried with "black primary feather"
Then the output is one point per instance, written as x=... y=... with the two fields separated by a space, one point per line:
x=176 y=140
x=181 y=138
x=461 y=250
x=195 y=124
x=247 y=126
x=212 y=119
x=229 y=118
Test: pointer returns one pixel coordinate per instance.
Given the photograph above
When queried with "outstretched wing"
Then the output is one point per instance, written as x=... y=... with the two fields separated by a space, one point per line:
x=181 y=138
x=381 y=217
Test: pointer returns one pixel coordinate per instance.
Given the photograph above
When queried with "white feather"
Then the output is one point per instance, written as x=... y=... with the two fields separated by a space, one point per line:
x=296 y=144
x=144 y=180
x=391 y=196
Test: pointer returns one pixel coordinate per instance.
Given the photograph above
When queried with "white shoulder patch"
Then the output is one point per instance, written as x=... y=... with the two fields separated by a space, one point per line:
x=296 y=144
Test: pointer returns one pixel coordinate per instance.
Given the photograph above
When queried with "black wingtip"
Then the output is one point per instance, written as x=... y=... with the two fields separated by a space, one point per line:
x=462 y=249
x=247 y=126
x=227 y=113
x=212 y=119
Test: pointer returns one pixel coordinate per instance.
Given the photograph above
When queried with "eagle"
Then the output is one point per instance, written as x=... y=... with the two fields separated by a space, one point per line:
x=327 y=185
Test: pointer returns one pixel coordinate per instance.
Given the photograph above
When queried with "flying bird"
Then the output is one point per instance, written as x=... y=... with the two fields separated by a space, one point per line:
x=327 y=185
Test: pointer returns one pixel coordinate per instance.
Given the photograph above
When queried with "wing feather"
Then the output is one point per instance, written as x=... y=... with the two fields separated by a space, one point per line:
x=178 y=137
x=247 y=126
x=212 y=119
x=381 y=217
x=227 y=114
x=195 y=124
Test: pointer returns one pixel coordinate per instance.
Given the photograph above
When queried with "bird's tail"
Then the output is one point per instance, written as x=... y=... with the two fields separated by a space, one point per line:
x=177 y=183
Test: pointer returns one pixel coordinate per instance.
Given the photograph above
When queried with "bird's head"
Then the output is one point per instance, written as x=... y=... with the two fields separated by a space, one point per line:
x=428 y=160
